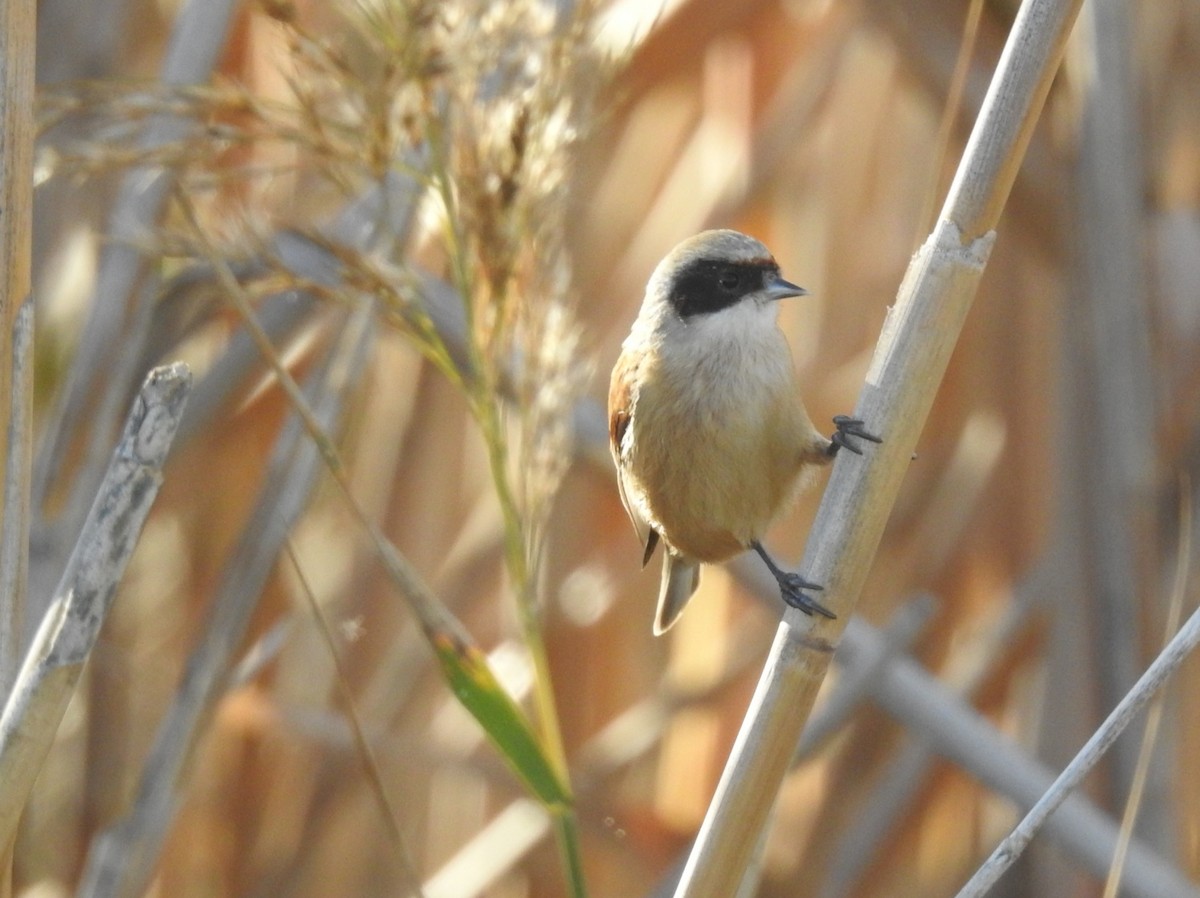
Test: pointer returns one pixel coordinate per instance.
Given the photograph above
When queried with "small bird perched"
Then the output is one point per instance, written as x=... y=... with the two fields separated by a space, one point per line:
x=705 y=423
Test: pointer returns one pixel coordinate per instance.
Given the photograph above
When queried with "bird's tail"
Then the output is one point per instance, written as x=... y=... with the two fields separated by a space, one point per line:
x=680 y=577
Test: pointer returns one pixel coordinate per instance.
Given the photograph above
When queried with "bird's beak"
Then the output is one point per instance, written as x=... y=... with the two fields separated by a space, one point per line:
x=777 y=288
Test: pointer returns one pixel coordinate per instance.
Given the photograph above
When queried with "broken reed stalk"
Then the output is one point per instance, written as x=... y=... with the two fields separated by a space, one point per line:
x=122 y=858
x=67 y=633
x=918 y=337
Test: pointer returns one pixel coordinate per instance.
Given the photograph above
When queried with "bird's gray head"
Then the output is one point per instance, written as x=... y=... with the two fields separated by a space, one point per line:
x=715 y=270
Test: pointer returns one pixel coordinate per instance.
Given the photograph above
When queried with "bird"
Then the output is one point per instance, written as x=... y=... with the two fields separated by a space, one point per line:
x=707 y=428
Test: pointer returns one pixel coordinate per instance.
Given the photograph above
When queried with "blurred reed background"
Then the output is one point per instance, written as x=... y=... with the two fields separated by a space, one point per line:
x=1030 y=558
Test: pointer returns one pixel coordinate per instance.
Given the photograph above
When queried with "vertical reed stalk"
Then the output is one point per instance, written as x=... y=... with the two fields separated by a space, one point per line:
x=17 y=30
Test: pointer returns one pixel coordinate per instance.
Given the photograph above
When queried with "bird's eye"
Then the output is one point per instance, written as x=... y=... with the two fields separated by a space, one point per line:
x=729 y=280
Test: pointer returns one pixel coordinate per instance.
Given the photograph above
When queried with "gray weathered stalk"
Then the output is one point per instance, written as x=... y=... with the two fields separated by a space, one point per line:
x=69 y=629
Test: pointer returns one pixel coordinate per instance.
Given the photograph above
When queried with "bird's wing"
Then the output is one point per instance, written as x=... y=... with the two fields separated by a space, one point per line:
x=621 y=399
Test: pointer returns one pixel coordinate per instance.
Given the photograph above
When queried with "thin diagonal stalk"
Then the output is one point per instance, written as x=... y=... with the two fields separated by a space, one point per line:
x=956 y=732
x=965 y=738
x=362 y=745
x=1007 y=852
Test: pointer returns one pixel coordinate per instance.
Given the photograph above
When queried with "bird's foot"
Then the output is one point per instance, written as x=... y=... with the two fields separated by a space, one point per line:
x=792 y=587
x=847 y=430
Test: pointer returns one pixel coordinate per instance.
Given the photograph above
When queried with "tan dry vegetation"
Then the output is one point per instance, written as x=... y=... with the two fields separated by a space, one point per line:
x=1047 y=478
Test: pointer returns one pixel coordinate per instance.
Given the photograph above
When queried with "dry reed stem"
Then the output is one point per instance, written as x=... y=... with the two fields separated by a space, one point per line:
x=918 y=337
x=17 y=42
x=858 y=673
x=1007 y=852
x=861 y=669
x=14 y=535
x=963 y=736
x=81 y=601
x=958 y=733
x=122 y=858
x=1117 y=407
x=928 y=37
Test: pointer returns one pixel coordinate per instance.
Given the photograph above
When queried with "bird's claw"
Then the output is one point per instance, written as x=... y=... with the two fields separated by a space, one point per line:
x=792 y=587
x=847 y=429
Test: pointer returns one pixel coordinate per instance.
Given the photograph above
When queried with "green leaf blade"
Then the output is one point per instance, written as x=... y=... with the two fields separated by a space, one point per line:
x=471 y=679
